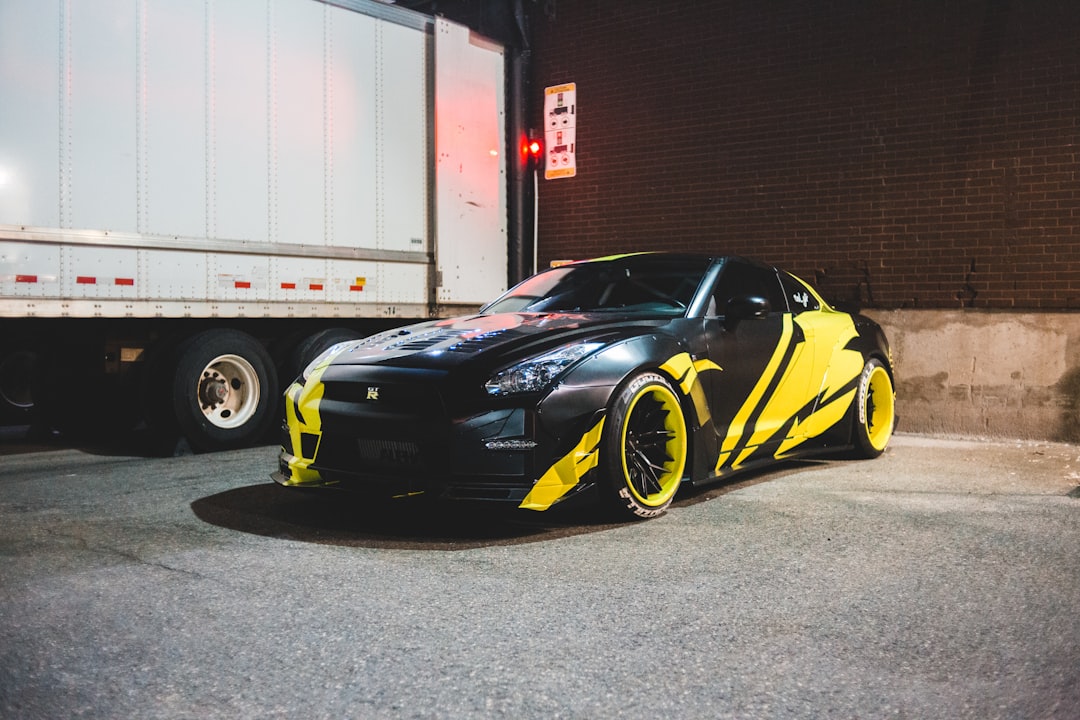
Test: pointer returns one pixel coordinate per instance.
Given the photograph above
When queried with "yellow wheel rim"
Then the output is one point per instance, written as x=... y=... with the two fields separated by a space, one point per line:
x=880 y=408
x=654 y=446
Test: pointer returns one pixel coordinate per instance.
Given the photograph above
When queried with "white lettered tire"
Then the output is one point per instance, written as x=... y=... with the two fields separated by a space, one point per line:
x=645 y=447
x=875 y=412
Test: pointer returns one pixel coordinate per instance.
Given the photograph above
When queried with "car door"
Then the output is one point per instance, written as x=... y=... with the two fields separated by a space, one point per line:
x=830 y=366
x=759 y=390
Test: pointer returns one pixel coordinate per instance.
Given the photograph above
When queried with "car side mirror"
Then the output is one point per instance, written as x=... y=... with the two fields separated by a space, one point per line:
x=745 y=307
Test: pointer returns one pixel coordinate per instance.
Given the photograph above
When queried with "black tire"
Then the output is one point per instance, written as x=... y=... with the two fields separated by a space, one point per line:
x=17 y=369
x=312 y=346
x=224 y=390
x=875 y=411
x=645 y=447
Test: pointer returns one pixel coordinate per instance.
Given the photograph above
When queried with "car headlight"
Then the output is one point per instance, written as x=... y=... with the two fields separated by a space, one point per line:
x=324 y=357
x=538 y=372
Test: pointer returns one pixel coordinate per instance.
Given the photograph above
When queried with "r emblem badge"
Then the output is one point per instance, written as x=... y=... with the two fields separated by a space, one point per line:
x=373 y=393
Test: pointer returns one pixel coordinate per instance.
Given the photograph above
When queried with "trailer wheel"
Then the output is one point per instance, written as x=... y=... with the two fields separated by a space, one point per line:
x=224 y=390
x=16 y=385
x=313 y=345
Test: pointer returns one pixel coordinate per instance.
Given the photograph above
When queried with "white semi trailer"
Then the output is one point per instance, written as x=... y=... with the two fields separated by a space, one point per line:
x=195 y=198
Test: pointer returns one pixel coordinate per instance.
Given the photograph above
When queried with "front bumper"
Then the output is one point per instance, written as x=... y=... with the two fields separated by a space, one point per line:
x=334 y=437
x=485 y=457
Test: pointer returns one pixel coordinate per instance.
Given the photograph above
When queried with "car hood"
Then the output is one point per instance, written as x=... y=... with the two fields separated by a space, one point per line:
x=445 y=344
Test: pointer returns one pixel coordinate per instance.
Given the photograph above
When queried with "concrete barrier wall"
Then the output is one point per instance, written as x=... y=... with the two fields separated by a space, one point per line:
x=986 y=373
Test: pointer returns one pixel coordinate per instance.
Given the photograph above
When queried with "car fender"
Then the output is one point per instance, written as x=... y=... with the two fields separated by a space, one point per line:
x=589 y=386
x=574 y=410
x=872 y=341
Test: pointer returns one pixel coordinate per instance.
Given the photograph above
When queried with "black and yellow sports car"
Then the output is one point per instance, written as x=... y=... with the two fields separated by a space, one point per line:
x=618 y=379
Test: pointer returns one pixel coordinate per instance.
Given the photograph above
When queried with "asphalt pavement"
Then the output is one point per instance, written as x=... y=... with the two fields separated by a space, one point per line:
x=938 y=581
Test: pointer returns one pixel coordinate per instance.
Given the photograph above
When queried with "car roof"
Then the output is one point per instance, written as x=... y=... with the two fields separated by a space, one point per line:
x=652 y=255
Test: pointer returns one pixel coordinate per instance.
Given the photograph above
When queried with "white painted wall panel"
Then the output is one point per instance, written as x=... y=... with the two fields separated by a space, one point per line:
x=90 y=272
x=353 y=185
x=101 y=166
x=297 y=206
x=173 y=170
x=400 y=283
x=403 y=140
x=299 y=279
x=470 y=181
x=29 y=109
x=29 y=270
x=240 y=148
x=174 y=275
x=354 y=281
x=160 y=158
x=239 y=277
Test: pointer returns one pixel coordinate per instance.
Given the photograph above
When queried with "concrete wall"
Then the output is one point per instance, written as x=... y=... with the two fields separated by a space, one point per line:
x=986 y=373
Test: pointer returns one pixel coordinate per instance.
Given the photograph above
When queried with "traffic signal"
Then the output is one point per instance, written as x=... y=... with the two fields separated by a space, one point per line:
x=532 y=153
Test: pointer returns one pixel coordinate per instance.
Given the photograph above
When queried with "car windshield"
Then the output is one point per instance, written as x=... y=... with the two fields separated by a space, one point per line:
x=635 y=284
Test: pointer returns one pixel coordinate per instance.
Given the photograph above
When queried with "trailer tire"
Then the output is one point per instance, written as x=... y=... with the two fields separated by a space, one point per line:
x=224 y=390
x=16 y=386
x=312 y=346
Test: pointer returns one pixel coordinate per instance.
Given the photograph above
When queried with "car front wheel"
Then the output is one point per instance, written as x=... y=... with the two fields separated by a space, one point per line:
x=645 y=447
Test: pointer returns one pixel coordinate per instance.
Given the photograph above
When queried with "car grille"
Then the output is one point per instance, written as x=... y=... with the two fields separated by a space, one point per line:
x=381 y=451
x=379 y=425
x=390 y=453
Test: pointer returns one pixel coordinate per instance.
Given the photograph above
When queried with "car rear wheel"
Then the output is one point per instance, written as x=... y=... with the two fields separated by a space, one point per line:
x=875 y=414
x=645 y=447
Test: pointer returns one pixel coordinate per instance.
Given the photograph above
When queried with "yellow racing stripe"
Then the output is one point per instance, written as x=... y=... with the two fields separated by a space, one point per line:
x=567 y=472
x=302 y=416
x=834 y=368
x=685 y=370
x=742 y=417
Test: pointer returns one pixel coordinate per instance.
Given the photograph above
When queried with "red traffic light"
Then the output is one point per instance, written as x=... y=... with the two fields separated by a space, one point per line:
x=532 y=152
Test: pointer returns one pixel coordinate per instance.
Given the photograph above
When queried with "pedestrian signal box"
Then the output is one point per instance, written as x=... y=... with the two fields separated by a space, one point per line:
x=560 y=129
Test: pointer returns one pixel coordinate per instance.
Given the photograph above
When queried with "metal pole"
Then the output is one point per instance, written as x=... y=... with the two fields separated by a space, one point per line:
x=536 y=220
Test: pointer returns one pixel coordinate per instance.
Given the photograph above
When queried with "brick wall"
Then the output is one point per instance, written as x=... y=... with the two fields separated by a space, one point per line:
x=901 y=154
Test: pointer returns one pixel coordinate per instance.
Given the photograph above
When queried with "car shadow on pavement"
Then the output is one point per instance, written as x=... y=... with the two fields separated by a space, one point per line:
x=343 y=519
x=338 y=518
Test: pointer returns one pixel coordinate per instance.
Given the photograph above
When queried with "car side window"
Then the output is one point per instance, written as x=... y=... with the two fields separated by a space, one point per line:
x=740 y=279
x=798 y=297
